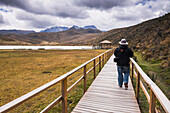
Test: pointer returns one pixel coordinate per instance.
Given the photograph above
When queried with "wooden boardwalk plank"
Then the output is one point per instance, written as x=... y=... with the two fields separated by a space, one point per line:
x=104 y=95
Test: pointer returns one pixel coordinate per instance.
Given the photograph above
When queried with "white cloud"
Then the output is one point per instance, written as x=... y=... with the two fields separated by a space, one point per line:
x=160 y=7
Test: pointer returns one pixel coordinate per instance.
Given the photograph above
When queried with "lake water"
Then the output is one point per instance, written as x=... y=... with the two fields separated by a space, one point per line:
x=45 y=47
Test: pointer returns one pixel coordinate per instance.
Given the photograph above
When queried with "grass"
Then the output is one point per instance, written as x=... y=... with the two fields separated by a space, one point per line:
x=163 y=75
x=22 y=71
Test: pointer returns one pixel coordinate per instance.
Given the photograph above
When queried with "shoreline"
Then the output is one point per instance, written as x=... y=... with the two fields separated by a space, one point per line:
x=46 y=47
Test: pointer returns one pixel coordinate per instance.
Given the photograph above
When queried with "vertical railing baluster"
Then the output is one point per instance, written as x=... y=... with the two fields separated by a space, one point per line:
x=64 y=95
x=132 y=72
x=94 y=68
x=152 y=102
x=137 y=86
x=85 y=79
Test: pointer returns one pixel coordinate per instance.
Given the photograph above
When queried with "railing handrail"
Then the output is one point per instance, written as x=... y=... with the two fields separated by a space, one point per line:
x=156 y=90
x=42 y=88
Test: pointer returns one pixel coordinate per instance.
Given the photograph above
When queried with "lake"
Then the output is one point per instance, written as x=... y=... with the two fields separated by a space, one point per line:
x=44 y=47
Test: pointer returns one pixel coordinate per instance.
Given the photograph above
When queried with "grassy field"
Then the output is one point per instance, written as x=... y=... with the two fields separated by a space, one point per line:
x=21 y=71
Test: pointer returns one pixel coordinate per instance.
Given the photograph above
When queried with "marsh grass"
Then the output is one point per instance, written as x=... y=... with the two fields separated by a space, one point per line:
x=75 y=95
x=22 y=71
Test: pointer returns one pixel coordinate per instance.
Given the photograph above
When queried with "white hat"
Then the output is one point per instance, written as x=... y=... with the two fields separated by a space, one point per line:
x=123 y=42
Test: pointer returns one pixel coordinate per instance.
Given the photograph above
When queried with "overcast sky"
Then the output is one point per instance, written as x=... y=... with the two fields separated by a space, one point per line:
x=104 y=14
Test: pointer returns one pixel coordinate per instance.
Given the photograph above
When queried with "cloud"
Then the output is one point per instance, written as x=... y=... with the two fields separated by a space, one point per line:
x=160 y=7
x=136 y=13
x=14 y=3
x=1 y=19
x=37 y=21
x=59 y=8
x=104 y=14
x=104 y=4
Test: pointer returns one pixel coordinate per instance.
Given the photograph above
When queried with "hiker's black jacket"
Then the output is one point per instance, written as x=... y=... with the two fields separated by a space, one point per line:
x=123 y=53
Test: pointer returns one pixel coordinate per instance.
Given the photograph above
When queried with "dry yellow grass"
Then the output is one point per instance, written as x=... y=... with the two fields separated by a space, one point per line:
x=21 y=71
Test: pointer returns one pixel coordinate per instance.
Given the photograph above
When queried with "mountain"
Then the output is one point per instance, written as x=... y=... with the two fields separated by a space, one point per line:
x=55 y=29
x=90 y=27
x=70 y=36
x=16 y=31
x=76 y=27
x=59 y=29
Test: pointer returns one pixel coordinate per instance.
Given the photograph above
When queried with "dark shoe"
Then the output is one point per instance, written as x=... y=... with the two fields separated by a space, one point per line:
x=126 y=86
x=120 y=86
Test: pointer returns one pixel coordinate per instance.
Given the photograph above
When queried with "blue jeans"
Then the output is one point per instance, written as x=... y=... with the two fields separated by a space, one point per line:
x=121 y=70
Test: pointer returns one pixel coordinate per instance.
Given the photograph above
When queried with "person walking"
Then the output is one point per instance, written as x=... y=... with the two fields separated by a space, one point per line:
x=123 y=54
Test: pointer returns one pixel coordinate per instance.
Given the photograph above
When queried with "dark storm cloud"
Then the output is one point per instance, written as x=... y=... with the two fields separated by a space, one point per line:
x=15 y=3
x=48 y=7
x=102 y=4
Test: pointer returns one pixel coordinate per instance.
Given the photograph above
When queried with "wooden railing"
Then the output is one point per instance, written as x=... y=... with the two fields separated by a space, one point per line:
x=155 y=92
x=102 y=58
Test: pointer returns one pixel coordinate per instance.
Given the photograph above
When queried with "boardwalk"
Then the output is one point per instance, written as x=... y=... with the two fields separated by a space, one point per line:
x=104 y=95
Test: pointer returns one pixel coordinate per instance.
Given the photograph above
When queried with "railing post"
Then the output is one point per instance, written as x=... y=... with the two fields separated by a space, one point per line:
x=103 y=60
x=106 y=57
x=132 y=72
x=85 y=79
x=152 y=102
x=99 y=63
x=94 y=67
x=137 y=86
x=64 y=95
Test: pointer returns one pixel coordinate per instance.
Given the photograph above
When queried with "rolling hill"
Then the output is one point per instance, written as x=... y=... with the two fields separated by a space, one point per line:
x=151 y=38
x=70 y=36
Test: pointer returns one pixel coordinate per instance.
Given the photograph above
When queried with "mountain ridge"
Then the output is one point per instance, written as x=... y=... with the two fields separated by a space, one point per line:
x=47 y=30
x=14 y=31
x=71 y=35
x=62 y=28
